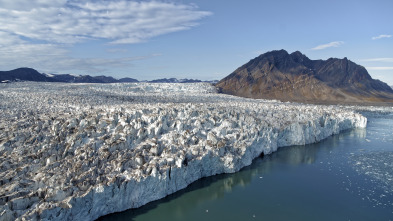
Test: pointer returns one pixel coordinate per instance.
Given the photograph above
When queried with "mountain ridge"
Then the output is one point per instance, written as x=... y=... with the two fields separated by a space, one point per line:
x=30 y=74
x=26 y=74
x=295 y=77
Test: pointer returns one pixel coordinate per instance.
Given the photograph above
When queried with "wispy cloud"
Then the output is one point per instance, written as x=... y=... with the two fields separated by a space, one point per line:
x=116 y=50
x=53 y=57
x=379 y=68
x=378 y=60
x=42 y=32
x=381 y=36
x=74 y=21
x=333 y=44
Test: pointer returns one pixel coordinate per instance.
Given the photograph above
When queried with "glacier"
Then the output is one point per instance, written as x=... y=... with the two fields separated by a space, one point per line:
x=81 y=151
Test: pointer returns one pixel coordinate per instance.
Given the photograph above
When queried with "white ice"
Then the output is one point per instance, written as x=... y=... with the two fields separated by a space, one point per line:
x=80 y=151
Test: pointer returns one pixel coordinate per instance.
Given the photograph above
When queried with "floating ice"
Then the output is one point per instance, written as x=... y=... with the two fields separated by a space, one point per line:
x=378 y=167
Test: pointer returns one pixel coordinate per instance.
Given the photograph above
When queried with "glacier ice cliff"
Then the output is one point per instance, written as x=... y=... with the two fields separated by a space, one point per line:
x=78 y=152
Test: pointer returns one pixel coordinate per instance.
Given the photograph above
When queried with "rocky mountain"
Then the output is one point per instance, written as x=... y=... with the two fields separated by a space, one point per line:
x=29 y=74
x=24 y=74
x=183 y=80
x=174 y=80
x=69 y=78
x=91 y=79
x=128 y=80
x=295 y=77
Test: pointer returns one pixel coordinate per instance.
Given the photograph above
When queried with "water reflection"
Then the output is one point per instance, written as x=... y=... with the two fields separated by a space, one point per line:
x=215 y=188
x=306 y=154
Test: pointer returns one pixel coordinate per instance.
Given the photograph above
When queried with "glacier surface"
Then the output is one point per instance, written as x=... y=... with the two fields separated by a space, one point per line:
x=81 y=151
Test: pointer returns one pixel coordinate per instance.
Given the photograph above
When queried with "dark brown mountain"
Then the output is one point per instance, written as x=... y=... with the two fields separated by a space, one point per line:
x=294 y=77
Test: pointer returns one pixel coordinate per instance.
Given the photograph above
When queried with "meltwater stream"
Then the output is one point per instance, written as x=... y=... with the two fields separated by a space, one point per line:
x=345 y=177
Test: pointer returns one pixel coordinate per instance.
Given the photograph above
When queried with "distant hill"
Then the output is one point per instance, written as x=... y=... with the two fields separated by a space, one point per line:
x=90 y=79
x=29 y=74
x=174 y=80
x=77 y=78
x=128 y=80
x=24 y=74
x=294 y=77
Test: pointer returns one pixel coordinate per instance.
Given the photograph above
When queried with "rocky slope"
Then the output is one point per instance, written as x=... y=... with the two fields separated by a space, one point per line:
x=294 y=77
x=77 y=152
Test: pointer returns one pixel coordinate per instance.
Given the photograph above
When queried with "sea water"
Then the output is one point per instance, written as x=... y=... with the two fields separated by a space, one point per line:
x=344 y=177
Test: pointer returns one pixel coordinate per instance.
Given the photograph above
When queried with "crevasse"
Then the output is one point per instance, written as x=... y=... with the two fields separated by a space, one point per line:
x=90 y=150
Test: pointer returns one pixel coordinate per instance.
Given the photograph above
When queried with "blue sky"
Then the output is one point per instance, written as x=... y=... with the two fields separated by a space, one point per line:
x=201 y=39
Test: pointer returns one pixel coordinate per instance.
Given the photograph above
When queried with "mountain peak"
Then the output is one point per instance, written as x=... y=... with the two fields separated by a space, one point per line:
x=29 y=74
x=26 y=74
x=294 y=77
x=25 y=70
x=275 y=53
x=297 y=56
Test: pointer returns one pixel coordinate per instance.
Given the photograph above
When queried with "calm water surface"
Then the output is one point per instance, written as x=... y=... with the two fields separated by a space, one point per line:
x=345 y=177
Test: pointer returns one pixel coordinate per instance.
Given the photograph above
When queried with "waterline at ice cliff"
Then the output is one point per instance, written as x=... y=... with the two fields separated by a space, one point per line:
x=78 y=152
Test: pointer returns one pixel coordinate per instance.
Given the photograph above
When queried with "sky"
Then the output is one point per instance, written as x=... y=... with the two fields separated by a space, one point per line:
x=199 y=39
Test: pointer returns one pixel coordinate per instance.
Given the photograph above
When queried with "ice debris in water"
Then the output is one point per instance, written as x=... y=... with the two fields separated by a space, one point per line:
x=378 y=167
x=80 y=151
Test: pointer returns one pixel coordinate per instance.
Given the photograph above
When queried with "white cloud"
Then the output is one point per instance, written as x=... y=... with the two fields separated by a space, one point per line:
x=40 y=33
x=381 y=36
x=378 y=60
x=74 y=21
x=116 y=50
x=379 y=68
x=28 y=5
x=334 y=44
x=9 y=39
x=53 y=57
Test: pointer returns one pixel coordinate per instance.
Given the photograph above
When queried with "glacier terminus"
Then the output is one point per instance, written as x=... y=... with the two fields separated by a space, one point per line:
x=81 y=151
